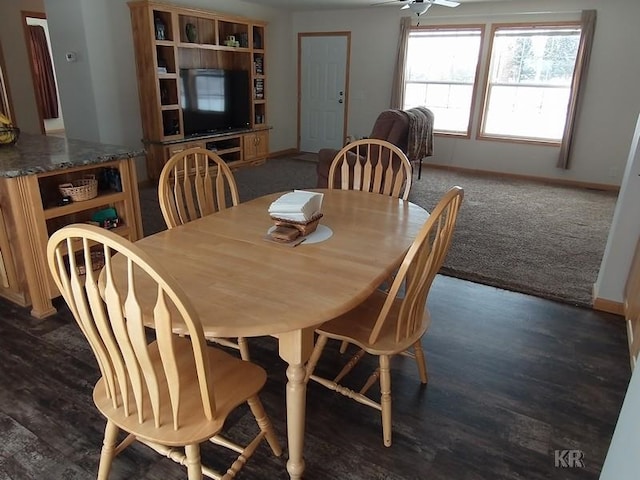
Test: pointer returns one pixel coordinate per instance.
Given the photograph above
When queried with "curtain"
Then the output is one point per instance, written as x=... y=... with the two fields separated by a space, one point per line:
x=588 y=26
x=397 y=90
x=4 y=94
x=44 y=80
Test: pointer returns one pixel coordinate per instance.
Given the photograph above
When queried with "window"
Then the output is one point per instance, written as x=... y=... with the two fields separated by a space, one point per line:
x=529 y=82
x=441 y=73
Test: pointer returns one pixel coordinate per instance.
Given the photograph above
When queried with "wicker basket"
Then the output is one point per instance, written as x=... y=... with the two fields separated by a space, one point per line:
x=97 y=262
x=85 y=188
x=305 y=228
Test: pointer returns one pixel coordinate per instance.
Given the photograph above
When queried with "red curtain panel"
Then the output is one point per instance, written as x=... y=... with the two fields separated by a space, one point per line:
x=44 y=80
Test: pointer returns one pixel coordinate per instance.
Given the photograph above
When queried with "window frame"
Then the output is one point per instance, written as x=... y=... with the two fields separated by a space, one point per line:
x=482 y=111
x=481 y=28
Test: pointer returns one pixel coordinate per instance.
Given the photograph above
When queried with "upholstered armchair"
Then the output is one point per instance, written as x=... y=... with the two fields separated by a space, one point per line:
x=391 y=125
x=410 y=130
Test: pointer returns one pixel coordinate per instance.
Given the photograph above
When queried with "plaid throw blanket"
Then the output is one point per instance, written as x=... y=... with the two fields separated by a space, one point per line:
x=420 y=141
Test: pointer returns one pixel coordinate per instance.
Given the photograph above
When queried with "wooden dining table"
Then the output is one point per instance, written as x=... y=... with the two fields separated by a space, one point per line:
x=242 y=285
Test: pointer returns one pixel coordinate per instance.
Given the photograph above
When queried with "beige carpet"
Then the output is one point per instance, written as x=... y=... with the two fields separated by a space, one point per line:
x=531 y=237
x=520 y=235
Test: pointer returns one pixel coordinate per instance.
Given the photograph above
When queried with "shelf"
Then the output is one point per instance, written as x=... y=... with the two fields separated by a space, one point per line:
x=191 y=38
x=233 y=49
x=207 y=46
x=76 y=245
x=226 y=150
x=199 y=46
x=76 y=207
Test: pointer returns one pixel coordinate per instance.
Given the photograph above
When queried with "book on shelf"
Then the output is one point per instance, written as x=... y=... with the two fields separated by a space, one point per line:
x=258 y=66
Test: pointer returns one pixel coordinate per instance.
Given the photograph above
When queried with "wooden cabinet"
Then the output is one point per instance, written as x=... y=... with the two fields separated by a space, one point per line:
x=169 y=38
x=255 y=145
x=31 y=210
x=9 y=283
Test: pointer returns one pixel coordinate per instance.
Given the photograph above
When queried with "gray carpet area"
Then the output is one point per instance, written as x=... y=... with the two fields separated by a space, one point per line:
x=526 y=236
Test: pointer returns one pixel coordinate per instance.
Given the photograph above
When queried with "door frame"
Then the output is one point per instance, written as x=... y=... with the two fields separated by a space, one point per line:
x=36 y=91
x=347 y=35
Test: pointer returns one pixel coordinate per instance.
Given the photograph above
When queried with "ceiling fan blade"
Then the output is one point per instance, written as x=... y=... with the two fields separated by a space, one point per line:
x=386 y=3
x=444 y=3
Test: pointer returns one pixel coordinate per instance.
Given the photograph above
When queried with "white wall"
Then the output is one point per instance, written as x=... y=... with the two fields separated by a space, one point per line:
x=100 y=101
x=612 y=101
x=99 y=90
x=16 y=58
x=624 y=232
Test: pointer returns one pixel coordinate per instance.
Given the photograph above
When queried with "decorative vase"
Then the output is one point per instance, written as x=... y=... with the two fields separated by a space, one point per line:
x=192 y=33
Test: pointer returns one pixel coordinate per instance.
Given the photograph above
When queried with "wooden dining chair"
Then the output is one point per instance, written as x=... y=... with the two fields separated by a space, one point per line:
x=167 y=391
x=371 y=165
x=391 y=322
x=194 y=183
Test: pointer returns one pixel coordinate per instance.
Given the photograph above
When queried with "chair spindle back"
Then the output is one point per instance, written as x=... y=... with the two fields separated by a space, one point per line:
x=420 y=266
x=372 y=165
x=113 y=311
x=194 y=183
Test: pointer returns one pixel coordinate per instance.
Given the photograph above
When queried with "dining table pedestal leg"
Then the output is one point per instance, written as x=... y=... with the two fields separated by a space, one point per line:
x=295 y=348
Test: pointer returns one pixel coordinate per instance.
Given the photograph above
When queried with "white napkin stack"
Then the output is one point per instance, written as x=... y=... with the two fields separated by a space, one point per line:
x=297 y=206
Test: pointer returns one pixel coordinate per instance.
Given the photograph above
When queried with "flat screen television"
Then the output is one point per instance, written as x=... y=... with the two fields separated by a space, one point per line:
x=214 y=100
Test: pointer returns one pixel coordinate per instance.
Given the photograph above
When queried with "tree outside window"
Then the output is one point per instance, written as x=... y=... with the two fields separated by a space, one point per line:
x=529 y=84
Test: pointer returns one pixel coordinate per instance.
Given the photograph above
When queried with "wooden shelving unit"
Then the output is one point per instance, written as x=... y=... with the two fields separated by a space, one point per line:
x=33 y=211
x=168 y=38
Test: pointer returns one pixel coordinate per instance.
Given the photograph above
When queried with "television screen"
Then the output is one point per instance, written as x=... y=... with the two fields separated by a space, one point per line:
x=214 y=100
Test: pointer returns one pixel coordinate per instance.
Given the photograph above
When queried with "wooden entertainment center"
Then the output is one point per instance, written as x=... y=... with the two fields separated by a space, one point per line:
x=168 y=38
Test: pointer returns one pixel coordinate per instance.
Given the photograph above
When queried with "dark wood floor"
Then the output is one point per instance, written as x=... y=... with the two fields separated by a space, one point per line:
x=512 y=378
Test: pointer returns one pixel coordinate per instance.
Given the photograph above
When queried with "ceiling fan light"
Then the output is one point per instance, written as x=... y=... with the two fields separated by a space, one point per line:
x=419 y=8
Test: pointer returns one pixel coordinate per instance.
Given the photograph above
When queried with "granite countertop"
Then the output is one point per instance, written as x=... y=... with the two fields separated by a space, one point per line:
x=34 y=154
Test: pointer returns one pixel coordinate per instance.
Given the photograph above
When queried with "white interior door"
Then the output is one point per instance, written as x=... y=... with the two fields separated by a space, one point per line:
x=323 y=96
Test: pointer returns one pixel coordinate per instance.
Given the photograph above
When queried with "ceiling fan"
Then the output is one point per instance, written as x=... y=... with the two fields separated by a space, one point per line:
x=419 y=7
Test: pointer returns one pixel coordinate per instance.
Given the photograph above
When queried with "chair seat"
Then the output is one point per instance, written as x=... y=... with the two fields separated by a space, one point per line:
x=356 y=325
x=225 y=369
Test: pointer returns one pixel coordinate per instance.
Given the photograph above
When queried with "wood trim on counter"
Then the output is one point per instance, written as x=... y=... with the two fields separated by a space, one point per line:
x=29 y=230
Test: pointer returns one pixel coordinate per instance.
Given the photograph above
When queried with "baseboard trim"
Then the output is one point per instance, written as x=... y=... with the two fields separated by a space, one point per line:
x=609 y=306
x=555 y=181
